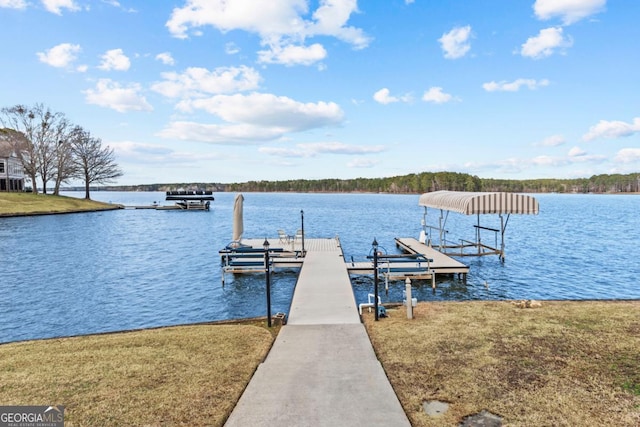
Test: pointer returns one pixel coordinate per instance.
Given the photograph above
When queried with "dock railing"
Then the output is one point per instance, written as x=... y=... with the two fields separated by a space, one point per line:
x=402 y=266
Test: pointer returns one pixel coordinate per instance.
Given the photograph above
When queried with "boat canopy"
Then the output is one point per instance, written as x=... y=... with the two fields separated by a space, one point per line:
x=470 y=203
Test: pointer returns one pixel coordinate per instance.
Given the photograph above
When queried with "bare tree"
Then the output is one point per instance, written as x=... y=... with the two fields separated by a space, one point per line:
x=41 y=128
x=65 y=167
x=93 y=163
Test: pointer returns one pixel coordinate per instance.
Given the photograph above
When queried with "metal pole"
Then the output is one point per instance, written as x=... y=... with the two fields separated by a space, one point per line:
x=375 y=275
x=302 y=221
x=408 y=298
x=268 y=279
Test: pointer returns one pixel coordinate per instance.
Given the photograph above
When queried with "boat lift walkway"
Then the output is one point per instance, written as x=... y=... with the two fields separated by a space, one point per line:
x=321 y=370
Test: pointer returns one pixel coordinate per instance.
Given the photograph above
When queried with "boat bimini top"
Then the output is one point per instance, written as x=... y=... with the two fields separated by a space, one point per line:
x=470 y=203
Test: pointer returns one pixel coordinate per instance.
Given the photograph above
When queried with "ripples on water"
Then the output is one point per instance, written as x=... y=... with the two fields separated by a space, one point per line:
x=127 y=269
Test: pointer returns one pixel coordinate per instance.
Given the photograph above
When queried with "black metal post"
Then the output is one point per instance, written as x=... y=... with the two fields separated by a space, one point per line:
x=302 y=221
x=268 y=275
x=375 y=276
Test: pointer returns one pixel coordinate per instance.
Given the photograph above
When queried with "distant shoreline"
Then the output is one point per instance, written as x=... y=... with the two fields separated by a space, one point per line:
x=416 y=183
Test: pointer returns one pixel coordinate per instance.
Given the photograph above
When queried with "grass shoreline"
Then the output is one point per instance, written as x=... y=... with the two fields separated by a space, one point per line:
x=562 y=363
x=565 y=363
x=29 y=204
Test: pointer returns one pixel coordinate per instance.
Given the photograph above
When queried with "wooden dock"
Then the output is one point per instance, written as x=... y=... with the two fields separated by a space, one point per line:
x=283 y=254
x=442 y=264
x=289 y=254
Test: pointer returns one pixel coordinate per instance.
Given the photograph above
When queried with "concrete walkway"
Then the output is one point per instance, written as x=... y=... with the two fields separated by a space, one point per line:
x=321 y=370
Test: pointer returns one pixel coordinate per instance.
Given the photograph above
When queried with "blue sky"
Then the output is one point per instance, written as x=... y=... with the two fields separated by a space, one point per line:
x=238 y=90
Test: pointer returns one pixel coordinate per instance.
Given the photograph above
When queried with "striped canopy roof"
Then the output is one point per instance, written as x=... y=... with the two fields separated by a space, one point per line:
x=470 y=203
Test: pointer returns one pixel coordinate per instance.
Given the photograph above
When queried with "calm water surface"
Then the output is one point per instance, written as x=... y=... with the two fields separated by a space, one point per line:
x=83 y=273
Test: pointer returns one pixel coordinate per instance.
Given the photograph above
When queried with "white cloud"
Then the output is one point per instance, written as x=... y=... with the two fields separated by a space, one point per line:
x=110 y=94
x=281 y=25
x=509 y=165
x=360 y=163
x=314 y=149
x=219 y=134
x=628 y=155
x=115 y=59
x=293 y=55
x=330 y=19
x=578 y=155
x=117 y=4
x=198 y=82
x=285 y=152
x=570 y=11
x=552 y=141
x=137 y=155
x=612 y=129
x=514 y=86
x=264 y=18
x=545 y=43
x=436 y=95
x=147 y=153
x=140 y=152
x=576 y=152
x=341 y=148
x=252 y=118
x=270 y=111
x=60 y=56
x=455 y=43
x=231 y=48
x=56 y=6
x=548 y=161
x=165 y=58
x=13 y=4
x=383 y=97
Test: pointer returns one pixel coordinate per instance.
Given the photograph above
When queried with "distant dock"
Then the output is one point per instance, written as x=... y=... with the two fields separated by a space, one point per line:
x=196 y=200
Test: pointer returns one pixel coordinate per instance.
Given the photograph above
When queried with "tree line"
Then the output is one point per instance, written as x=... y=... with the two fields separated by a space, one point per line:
x=54 y=150
x=416 y=184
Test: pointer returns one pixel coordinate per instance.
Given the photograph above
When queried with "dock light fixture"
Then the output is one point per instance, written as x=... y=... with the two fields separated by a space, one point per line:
x=268 y=279
x=375 y=276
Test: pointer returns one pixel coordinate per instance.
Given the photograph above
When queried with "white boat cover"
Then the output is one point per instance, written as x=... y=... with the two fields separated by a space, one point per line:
x=470 y=203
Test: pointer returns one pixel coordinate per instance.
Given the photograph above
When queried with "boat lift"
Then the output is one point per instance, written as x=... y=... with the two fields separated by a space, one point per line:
x=470 y=203
x=189 y=200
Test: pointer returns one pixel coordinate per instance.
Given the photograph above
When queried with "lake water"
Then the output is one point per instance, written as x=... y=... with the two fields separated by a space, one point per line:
x=84 y=273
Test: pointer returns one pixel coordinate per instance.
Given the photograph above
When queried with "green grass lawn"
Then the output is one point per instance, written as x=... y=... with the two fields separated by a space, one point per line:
x=13 y=204
x=565 y=363
x=179 y=376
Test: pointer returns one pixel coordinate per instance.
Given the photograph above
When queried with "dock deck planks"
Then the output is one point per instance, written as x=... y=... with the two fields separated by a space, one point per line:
x=441 y=263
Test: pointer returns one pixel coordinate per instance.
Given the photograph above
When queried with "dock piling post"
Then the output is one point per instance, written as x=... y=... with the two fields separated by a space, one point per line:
x=302 y=229
x=409 y=299
x=268 y=279
x=375 y=276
